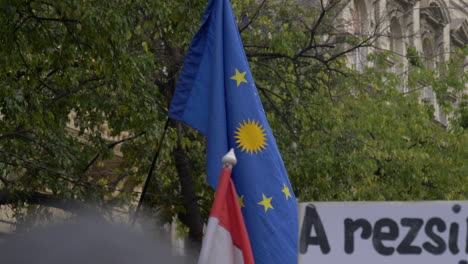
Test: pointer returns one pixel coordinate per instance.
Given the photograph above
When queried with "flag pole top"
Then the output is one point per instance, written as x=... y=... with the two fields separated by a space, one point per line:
x=229 y=160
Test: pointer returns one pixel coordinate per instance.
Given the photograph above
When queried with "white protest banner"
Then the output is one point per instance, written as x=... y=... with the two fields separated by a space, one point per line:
x=383 y=232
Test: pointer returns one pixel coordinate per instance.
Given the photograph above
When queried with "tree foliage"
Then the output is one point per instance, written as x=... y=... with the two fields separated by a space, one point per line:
x=109 y=68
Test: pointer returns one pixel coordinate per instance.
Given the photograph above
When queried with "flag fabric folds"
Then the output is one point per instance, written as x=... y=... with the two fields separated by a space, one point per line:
x=226 y=240
x=216 y=95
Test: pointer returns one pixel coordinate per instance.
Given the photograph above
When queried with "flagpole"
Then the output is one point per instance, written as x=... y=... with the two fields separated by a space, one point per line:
x=150 y=173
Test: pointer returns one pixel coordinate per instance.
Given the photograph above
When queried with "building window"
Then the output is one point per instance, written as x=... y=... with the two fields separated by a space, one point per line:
x=360 y=28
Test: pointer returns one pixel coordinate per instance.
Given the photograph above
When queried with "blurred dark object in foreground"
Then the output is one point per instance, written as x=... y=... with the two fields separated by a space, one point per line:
x=86 y=241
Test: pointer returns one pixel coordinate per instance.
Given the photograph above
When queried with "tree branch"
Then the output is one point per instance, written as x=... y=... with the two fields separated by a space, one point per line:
x=55 y=19
x=111 y=146
x=81 y=84
x=283 y=117
x=5 y=181
x=253 y=17
x=8 y=197
x=14 y=133
x=68 y=177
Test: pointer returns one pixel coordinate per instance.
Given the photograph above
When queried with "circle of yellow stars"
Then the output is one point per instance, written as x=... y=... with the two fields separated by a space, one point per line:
x=250 y=135
x=251 y=138
x=239 y=77
x=266 y=201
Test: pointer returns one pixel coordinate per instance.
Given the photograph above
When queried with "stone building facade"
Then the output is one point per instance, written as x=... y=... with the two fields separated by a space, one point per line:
x=432 y=27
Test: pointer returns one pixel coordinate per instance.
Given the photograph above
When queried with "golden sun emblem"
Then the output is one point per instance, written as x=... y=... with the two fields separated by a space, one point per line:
x=251 y=136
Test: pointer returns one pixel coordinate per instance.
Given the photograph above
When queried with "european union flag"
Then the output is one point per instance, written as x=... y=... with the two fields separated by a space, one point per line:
x=216 y=95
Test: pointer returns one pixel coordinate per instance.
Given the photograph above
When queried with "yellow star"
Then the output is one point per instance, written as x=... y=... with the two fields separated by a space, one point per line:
x=286 y=191
x=239 y=77
x=266 y=202
x=241 y=201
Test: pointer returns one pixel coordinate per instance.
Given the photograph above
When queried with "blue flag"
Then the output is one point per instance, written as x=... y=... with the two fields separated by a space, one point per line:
x=216 y=95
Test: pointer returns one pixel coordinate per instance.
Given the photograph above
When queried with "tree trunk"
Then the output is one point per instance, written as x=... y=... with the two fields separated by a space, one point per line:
x=192 y=217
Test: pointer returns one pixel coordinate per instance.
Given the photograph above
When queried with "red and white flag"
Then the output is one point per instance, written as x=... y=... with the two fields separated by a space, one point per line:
x=226 y=240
